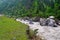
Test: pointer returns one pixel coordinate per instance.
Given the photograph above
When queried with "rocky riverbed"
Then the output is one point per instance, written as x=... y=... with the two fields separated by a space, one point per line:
x=46 y=32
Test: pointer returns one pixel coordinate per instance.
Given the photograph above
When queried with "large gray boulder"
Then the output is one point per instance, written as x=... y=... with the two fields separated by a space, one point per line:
x=42 y=21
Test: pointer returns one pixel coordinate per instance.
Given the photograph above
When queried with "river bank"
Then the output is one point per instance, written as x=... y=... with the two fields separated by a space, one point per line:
x=47 y=32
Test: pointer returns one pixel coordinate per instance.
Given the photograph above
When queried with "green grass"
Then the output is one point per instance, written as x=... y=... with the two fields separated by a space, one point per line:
x=11 y=29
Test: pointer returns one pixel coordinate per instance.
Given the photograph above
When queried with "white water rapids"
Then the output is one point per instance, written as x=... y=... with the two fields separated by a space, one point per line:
x=47 y=32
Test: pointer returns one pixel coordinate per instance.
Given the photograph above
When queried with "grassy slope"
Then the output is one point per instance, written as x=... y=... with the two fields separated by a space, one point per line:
x=10 y=29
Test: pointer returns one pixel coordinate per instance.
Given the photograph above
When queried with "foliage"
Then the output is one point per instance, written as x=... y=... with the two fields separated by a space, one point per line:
x=31 y=8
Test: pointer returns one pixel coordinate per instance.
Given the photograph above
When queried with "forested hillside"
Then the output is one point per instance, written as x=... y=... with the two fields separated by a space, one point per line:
x=30 y=8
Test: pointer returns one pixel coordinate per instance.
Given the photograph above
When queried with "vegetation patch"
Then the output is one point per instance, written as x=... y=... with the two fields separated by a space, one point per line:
x=11 y=29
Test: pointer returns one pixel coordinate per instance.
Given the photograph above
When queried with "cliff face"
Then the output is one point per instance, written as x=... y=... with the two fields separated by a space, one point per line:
x=26 y=3
x=6 y=4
